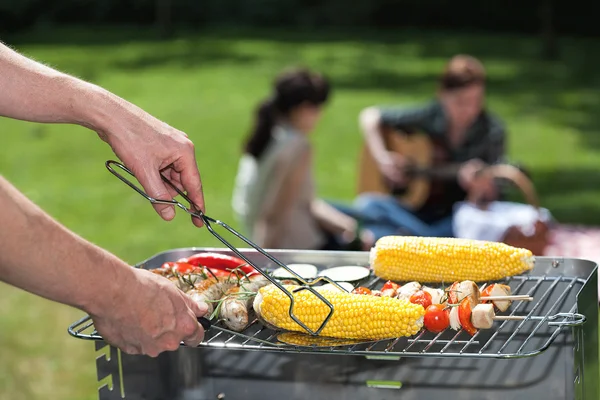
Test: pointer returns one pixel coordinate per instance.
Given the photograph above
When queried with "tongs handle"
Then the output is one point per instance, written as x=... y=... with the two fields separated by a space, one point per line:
x=196 y=212
x=205 y=322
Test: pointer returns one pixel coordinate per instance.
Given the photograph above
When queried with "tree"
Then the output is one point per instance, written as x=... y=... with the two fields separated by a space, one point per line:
x=548 y=31
x=164 y=18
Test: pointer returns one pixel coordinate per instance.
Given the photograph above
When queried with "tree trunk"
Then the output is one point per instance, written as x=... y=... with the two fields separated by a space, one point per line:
x=548 y=33
x=164 y=21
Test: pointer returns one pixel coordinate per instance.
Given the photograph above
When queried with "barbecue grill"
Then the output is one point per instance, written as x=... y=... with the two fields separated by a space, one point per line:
x=552 y=353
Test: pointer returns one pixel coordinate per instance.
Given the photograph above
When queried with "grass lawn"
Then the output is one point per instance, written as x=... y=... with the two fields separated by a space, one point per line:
x=207 y=84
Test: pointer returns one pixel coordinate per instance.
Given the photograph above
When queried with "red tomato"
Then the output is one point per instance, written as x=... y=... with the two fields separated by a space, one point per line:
x=421 y=297
x=168 y=265
x=487 y=291
x=452 y=293
x=464 y=316
x=361 y=290
x=436 y=318
x=390 y=285
x=183 y=268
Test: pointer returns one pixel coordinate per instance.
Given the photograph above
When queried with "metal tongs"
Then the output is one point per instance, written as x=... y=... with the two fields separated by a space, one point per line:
x=194 y=211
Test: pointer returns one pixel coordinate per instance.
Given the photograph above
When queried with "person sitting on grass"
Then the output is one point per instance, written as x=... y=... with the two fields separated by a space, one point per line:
x=465 y=136
x=274 y=194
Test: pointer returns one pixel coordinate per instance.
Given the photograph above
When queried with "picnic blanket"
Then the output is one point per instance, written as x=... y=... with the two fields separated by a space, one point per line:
x=575 y=241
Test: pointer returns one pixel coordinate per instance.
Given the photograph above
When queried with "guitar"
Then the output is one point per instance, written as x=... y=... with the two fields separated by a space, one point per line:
x=424 y=166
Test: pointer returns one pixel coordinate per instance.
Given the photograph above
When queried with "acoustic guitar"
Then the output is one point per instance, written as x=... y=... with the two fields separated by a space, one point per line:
x=424 y=165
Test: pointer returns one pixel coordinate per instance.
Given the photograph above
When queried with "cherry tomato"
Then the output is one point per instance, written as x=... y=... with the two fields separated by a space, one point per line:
x=183 y=268
x=168 y=265
x=436 y=318
x=464 y=316
x=421 y=297
x=390 y=285
x=361 y=290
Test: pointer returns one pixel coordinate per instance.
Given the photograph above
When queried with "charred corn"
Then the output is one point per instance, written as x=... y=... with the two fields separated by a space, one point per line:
x=354 y=316
x=422 y=259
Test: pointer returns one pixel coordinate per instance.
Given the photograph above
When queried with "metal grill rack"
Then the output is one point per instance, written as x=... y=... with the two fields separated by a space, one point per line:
x=554 y=307
x=552 y=310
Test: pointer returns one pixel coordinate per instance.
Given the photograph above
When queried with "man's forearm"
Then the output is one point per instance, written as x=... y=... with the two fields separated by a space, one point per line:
x=37 y=93
x=369 y=122
x=39 y=255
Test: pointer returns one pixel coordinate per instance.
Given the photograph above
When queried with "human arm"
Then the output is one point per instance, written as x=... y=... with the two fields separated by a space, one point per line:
x=33 y=92
x=388 y=162
x=375 y=121
x=492 y=151
x=334 y=221
x=133 y=309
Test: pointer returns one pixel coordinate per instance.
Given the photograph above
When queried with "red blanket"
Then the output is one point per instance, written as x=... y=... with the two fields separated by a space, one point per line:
x=575 y=241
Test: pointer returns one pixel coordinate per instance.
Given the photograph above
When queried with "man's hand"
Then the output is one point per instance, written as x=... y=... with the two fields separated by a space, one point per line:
x=34 y=92
x=392 y=167
x=473 y=179
x=150 y=316
x=149 y=147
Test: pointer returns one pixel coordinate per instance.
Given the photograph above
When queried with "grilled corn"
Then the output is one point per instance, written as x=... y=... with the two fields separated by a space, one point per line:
x=423 y=259
x=354 y=316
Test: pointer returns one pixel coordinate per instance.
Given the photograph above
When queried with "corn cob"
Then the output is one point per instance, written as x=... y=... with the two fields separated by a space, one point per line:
x=305 y=340
x=354 y=316
x=422 y=259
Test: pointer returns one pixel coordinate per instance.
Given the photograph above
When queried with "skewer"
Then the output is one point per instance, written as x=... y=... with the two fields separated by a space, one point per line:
x=508 y=318
x=513 y=298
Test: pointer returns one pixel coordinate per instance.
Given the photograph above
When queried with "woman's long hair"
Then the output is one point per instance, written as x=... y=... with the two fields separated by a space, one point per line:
x=290 y=89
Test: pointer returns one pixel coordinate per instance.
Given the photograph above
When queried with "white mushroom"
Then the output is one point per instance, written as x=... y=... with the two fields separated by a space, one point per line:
x=482 y=316
x=408 y=290
x=501 y=290
x=468 y=289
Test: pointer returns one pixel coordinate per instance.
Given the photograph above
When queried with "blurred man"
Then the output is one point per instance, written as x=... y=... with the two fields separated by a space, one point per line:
x=464 y=136
x=133 y=309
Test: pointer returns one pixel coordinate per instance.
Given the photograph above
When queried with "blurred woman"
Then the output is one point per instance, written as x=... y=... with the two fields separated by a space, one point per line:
x=274 y=194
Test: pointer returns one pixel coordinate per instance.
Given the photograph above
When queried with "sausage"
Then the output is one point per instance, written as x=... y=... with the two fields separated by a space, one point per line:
x=180 y=283
x=209 y=291
x=236 y=306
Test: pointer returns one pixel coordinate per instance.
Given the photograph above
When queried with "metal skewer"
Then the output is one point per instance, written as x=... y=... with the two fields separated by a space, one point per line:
x=513 y=298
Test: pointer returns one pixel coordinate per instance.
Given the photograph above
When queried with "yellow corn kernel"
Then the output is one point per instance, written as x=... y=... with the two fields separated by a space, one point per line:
x=422 y=259
x=355 y=316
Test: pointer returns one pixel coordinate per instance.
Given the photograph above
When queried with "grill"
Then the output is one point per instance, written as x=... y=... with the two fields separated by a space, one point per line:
x=553 y=352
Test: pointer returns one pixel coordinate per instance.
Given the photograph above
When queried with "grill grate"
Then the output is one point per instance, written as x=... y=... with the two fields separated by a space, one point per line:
x=552 y=310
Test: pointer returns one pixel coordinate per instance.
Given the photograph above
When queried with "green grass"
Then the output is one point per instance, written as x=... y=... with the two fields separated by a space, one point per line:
x=207 y=84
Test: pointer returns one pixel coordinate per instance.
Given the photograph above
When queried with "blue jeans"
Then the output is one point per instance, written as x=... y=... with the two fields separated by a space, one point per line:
x=384 y=216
